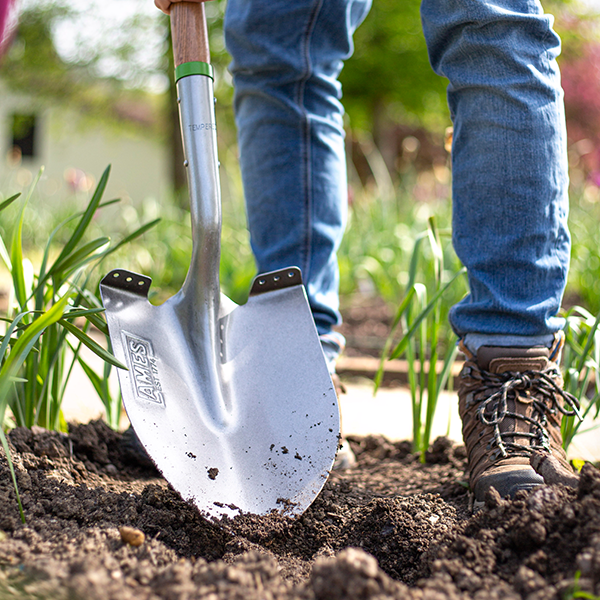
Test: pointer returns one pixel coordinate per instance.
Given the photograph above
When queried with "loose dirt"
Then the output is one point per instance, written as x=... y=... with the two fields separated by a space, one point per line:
x=391 y=528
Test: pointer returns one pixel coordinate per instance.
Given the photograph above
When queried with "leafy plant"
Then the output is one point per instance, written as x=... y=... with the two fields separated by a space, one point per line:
x=425 y=338
x=581 y=360
x=584 y=270
x=45 y=309
x=376 y=250
x=576 y=592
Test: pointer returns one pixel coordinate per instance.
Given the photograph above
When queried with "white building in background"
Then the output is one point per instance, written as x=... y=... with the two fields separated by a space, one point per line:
x=75 y=150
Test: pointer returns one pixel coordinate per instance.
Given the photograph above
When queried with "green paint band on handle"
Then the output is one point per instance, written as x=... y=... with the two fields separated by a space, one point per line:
x=193 y=68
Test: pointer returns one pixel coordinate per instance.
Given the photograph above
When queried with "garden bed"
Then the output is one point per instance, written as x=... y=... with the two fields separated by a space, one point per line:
x=391 y=528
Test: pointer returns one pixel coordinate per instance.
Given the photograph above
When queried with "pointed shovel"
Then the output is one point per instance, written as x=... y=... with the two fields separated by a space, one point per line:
x=234 y=404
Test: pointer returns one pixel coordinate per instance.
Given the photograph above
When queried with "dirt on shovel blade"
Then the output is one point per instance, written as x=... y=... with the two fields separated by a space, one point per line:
x=100 y=526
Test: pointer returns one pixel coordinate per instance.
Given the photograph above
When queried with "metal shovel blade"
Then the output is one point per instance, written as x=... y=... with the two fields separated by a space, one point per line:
x=234 y=404
x=256 y=433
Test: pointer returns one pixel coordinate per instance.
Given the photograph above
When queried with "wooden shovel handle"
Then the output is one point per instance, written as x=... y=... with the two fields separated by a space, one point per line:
x=189 y=32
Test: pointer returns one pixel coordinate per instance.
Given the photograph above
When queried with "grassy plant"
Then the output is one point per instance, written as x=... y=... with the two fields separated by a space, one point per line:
x=584 y=272
x=426 y=340
x=581 y=360
x=575 y=592
x=376 y=249
x=41 y=323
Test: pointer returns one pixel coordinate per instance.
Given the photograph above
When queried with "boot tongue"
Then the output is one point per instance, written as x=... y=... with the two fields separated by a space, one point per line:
x=497 y=359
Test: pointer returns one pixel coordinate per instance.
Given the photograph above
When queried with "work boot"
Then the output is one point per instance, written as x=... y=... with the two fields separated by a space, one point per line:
x=511 y=402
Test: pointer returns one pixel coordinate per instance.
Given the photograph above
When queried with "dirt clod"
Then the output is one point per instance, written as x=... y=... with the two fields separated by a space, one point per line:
x=132 y=536
x=552 y=470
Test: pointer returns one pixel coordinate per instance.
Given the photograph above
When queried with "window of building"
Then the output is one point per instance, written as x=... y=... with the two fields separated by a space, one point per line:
x=23 y=134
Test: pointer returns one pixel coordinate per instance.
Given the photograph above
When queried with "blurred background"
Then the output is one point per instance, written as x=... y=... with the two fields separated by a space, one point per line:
x=88 y=83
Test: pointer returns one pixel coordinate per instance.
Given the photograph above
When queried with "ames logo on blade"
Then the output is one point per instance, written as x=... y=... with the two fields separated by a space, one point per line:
x=142 y=369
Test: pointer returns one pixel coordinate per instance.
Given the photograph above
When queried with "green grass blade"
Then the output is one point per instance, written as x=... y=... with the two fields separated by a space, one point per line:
x=16 y=260
x=132 y=236
x=8 y=202
x=436 y=249
x=24 y=345
x=87 y=299
x=85 y=219
x=589 y=343
x=6 y=340
x=597 y=359
x=112 y=406
x=3 y=250
x=109 y=202
x=18 y=405
x=98 y=323
x=43 y=275
x=4 y=255
x=414 y=259
x=415 y=398
x=16 y=257
x=399 y=349
x=83 y=312
x=449 y=361
x=13 y=476
x=92 y=345
x=94 y=378
x=404 y=305
x=79 y=257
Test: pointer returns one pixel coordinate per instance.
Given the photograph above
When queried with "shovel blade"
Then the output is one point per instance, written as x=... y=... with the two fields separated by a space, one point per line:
x=260 y=433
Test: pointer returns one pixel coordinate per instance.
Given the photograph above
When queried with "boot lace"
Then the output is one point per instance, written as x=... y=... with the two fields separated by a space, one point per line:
x=499 y=388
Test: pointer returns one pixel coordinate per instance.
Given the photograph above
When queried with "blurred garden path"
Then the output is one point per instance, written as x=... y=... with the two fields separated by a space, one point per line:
x=388 y=413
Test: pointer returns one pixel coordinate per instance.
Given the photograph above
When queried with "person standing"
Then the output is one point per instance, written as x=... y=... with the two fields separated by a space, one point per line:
x=510 y=202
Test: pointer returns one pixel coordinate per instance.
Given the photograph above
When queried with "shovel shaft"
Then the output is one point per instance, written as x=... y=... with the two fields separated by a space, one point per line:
x=189 y=32
x=197 y=305
x=201 y=288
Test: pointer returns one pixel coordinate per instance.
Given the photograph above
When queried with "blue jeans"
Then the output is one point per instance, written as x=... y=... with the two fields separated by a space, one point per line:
x=509 y=153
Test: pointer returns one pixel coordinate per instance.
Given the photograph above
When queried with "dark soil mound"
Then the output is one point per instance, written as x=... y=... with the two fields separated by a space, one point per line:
x=391 y=528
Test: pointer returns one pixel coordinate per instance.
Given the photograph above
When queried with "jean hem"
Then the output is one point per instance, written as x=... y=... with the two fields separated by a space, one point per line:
x=474 y=341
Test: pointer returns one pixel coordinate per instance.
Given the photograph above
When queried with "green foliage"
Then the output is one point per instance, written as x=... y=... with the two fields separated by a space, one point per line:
x=584 y=274
x=376 y=253
x=165 y=252
x=389 y=76
x=43 y=339
x=34 y=49
x=581 y=360
x=34 y=65
x=426 y=338
x=390 y=70
x=575 y=592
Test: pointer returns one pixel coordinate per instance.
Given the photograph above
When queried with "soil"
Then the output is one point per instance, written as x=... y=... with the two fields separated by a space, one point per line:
x=390 y=528
x=100 y=525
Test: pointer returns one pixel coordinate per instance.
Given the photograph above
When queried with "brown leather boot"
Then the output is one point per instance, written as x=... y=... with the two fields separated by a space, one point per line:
x=511 y=402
